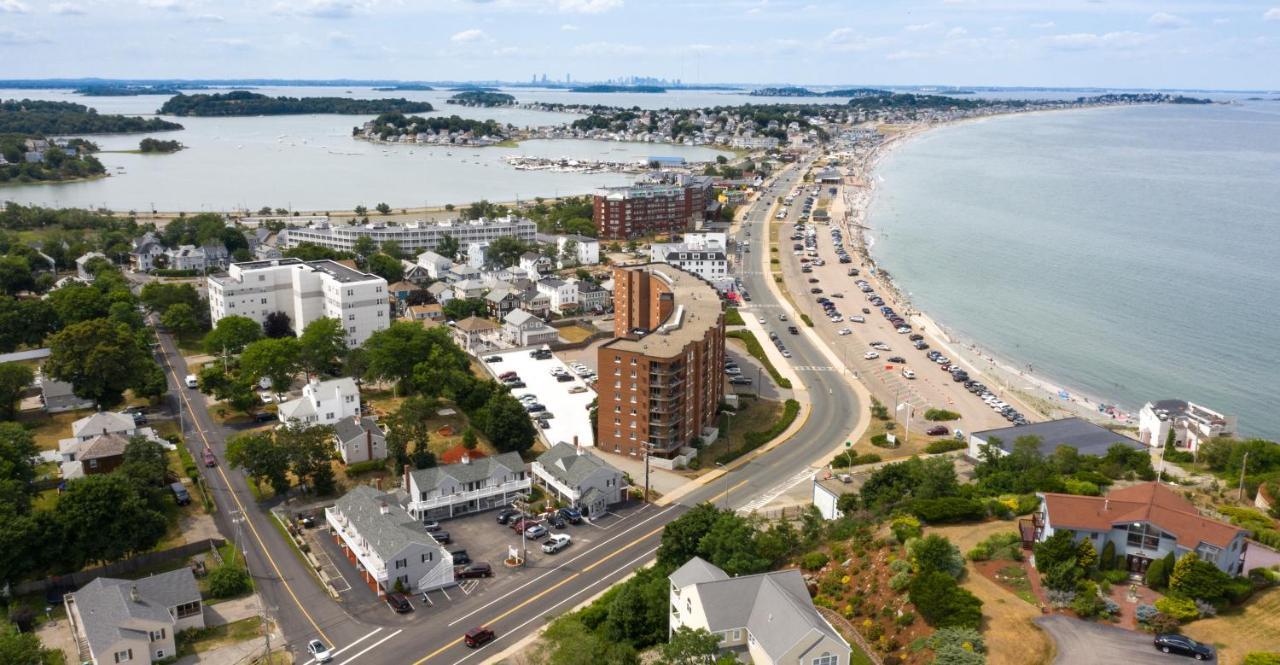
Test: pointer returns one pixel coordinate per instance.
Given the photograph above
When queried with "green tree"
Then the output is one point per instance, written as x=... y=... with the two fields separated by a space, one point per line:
x=1055 y=549
x=14 y=379
x=507 y=424
x=276 y=325
x=461 y=308
x=76 y=303
x=681 y=538
x=231 y=334
x=25 y=322
x=180 y=318
x=386 y=267
x=935 y=553
x=277 y=359
x=310 y=451
x=364 y=247
x=1086 y=555
x=638 y=609
x=145 y=462
x=1157 y=576
x=1108 y=559
x=261 y=459
x=104 y=518
x=17 y=469
x=730 y=544
x=448 y=246
x=126 y=313
x=567 y=641
x=942 y=603
x=505 y=251
x=159 y=296
x=229 y=580
x=361 y=211
x=393 y=249
x=322 y=346
x=1195 y=578
x=15 y=274
x=383 y=208
x=100 y=360
x=690 y=646
x=23 y=648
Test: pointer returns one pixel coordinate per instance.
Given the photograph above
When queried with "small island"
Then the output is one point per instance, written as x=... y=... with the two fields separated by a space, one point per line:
x=25 y=159
x=31 y=117
x=481 y=98
x=792 y=91
x=124 y=90
x=405 y=87
x=150 y=145
x=619 y=88
x=453 y=130
x=244 y=103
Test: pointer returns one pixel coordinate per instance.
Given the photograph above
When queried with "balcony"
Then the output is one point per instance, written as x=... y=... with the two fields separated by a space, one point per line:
x=512 y=487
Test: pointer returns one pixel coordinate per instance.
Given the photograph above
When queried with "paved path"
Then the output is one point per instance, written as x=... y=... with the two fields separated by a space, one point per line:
x=1086 y=643
x=230 y=611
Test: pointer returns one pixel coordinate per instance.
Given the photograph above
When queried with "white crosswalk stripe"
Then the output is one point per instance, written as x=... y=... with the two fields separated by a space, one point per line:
x=764 y=499
x=816 y=368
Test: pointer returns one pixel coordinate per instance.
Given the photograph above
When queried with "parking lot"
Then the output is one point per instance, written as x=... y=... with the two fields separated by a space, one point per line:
x=568 y=409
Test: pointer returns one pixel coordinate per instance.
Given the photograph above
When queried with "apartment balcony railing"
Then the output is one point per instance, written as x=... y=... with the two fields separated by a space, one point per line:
x=513 y=486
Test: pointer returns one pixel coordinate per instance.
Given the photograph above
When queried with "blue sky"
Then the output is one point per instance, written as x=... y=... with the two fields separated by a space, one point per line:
x=1211 y=44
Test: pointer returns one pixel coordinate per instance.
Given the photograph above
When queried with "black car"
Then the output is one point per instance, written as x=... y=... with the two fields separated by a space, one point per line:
x=263 y=417
x=572 y=515
x=478 y=569
x=441 y=537
x=398 y=603
x=460 y=557
x=506 y=515
x=1184 y=646
x=898 y=359
x=793 y=330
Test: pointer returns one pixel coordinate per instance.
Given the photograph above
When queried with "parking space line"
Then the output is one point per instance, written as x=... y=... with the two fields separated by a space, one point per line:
x=427 y=599
x=373 y=646
x=446 y=595
x=589 y=550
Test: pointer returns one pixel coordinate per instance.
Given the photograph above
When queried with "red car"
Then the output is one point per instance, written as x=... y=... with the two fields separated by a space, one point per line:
x=209 y=459
x=478 y=637
x=937 y=430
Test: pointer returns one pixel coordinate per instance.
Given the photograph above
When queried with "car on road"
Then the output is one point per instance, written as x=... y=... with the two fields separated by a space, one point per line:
x=508 y=375
x=898 y=359
x=207 y=456
x=493 y=359
x=478 y=637
x=477 y=569
x=782 y=317
x=191 y=381
x=399 y=603
x=870 y=355
x=844 y=331
x=786 y=353
x=577 y=389
x=536 y=531
x=908 y=374
x=319 y=651
x=740 y=381
x=556 y=543
x=760 y=319
x=1184 y=646
x=937 y=430
x=793 y=330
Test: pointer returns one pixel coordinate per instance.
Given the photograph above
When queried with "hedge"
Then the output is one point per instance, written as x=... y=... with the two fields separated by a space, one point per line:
x=948 y=509
x=944 y=446
x=366 y=467
x=807 y=321
x=733 y=318
x=757 y=352
x=844 y=460
x=163 y=272
x=940 y=414
x=1262 y=658
x=754 y=440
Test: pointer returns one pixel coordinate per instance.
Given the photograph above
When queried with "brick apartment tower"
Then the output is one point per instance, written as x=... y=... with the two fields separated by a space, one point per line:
x=662 y=378
x=650 y=209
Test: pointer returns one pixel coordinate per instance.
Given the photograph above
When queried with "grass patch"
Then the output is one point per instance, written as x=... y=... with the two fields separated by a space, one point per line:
x=49 y=428
x=752 y=415
x=733 y=318
x=940 y=415
x=573 y=334
x=754 y=440
x=199 y=640
x=807 y=321
x=1014 y=578
x=1251 y=627
x=753 y=347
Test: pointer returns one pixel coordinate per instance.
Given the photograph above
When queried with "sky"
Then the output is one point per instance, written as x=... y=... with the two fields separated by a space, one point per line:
x=1214 y=44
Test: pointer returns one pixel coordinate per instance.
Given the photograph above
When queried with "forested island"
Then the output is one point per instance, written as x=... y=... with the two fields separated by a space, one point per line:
x=619 y=88
x=482 y=98
x=417 y=87
x=112 y=90
x=24 y=159
x=416 y=129
x=243 y=103
x=793 y=91
x=150 y=145
x=40 y=118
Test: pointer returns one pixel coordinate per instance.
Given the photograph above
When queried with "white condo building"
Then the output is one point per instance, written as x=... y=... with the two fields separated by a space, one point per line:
x=1191 y=424
x=306 y=291
x=703 y=254
x=414 y=237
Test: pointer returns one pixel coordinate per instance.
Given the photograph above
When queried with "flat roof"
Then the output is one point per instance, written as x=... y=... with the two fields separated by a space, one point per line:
x=340 y=272
x=697 y=308
x=1086 y=437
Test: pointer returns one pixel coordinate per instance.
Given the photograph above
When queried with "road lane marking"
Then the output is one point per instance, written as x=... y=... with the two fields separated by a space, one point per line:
x=339 y=651
x=373 y=646
x=182 y=395
x=773 y=493
x=540 y=594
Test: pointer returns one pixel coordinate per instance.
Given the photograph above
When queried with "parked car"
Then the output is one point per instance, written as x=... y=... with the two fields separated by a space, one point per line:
x=937 y=430
x=460 y=557
x=263 y=417
x=319 y=651
x=870 y=355
x=557 y=522
x=477 y=569
x=536 y=531
x=398 y=603
x=505 y=515
x=180 y=494
x=1184 y=646
x=740 y=381
x=556 y=543
x=478 y=637
x=493 y=359
x=572 y=515
x=431 y=526
x=441 y=537
x=908 y=374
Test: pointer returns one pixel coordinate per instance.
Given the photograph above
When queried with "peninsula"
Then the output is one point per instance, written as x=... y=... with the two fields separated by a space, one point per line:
x=792 y=91
x=34 y=117
x=399 y=128
x=244 y=103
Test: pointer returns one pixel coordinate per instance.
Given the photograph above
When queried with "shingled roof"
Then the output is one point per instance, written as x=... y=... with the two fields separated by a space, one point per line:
x=1149 y=502
x=387 y=534
x=108 y=611
x=569 y=465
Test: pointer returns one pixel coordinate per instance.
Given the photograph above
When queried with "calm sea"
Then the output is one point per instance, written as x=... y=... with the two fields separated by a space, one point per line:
x=1129 y=253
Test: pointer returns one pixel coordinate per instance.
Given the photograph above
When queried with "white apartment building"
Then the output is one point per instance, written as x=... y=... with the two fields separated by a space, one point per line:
x=435 y=265
x=563 y=295
x=388 y=546
x=323 y=403
x=415 y=236
x=585 y=251
x=703 y=254
x=306 y=291
x=470 y=486
x=1190 y=423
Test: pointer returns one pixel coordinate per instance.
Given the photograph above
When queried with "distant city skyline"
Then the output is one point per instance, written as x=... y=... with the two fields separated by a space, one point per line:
x=1068 y=43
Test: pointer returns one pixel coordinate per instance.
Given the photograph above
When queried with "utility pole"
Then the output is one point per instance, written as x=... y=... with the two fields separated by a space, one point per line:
x=1244 y=464
x=725 y=472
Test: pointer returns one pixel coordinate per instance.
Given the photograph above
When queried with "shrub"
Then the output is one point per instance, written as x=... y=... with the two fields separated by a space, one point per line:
x=1163 y=623
x=366 y=467
x=1115 y=576
x=1110 y=607
x=845 y=460
x=942 y=603
x=963 y=638
x=1238 y=590
x=935 y=552
x=1108 y=560
x=900 y=581
x=1206 y=609
x=1059 y=598
x=1082 y=487
x=807 y=321
x=905 y=527
x=1195 y=578
x=754 y=440
x=813 y=560
x=229 y=580
x=980 y=552
x=944 y=446
x=940 y=414
x=905 y=619
x=948 y=509
x=1145 y=613
x=1180 y=609
x=1262 y=658
x=1087 y=604
x=882 y=441
x=1157 y=577
x=951 y=655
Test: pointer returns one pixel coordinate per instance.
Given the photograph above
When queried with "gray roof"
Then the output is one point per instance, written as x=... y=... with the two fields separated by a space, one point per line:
x=438 y=288
x=518 y=317
x=102 y=422
x=353 y=428
x=387 y=534
x=104 y=445
x=1086 y=437
x=107 y=611
x=564 y=462
x=473 y=471
x=498 y=295
x=774 y=606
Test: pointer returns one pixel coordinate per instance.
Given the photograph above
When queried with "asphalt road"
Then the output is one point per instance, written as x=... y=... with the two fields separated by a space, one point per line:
x=1088 y=643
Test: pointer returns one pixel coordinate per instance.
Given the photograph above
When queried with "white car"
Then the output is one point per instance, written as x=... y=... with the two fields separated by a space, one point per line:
x=319 y=651
x=760 y=319
x=786 y=353
x=908 y=374
x=881 y=346
x=870 y=355
x=844 y=331
x=557 y=542
x=903 y=330
x=266 y=398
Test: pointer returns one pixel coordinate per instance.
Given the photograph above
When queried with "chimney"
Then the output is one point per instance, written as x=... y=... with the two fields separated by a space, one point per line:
x=1106 y=504
x=577 y=447
x=133 y=594
x=466 y=458
x=383 y=508
x=406 y=477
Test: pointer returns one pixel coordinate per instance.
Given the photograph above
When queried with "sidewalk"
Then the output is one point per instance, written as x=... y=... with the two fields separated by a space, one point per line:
x=660 y=480
x=240 y=653
x=230 y=611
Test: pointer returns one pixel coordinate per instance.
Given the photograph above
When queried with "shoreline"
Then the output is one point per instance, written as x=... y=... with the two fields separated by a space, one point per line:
x=1041 y=392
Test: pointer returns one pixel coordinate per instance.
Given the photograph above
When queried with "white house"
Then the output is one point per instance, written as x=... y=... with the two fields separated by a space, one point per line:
x=578 y=477
x=476 y=253
x=435 y=265
x=591 y=296
x=535 y=264
x=145 y=250
x=521 y=328
x=469 y=288
x=134 y=621
x=441 y=292
x=82 y=263
x=702 y=254
x=470 y=486
x=186 y=257
x=359 y=439
x=306 y=291
x=563 y=295
x=323 y=403
x=1190 y=423
x=575 y=250
x=770 y=615
x=390 y=548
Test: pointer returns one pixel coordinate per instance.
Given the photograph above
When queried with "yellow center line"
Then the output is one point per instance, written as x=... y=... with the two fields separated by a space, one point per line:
x=540 y=594
x=227 y=481
x=725 y=493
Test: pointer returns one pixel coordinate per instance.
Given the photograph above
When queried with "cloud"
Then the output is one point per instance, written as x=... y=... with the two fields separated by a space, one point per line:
x=907 y=55
x=339 y=38
x=1221 y=21
x=922 y=27
x=319 y=8
x=165 y=5
x=12 y=7
x=208 y=18
x=1272 y=14
x=1085 y=41
x=469 y=36
x=569 y=27
x=957 y=32
x=1043 y=25
x=66 y=9
x=1167 y=21
x=15 y=38
x=589 y=6
x=227 y=41
x=609 y=49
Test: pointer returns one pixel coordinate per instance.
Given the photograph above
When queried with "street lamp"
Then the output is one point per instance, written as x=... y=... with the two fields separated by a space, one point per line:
x=724 y=495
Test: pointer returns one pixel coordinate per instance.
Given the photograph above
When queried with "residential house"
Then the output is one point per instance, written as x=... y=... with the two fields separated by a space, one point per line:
x=145 y=250
x=501 y=301
x=424 y=313
x=414 y=273
x=58 y=396
x=470 y=486
x=535 y=302
x=405 y=293
x=521 y=328
x=322 y=403
x=460 y=272
x=579 y=478
x=359 y=439
x=1143 y=523
x=441 y=292
x=475 y=334
x=82 y=263
x=1190 y=423
x=134 y=621
x=535 y=263
x=216 y=256
x=435 y=265
x=477 y=253
x=575 y=250
x=186 y=257
x=592 y=297
x=563 y=295
x=386 y=545
x=99 y=435
x=469 y=288
x=766 y=619
x=266 y=252
x=102 y=454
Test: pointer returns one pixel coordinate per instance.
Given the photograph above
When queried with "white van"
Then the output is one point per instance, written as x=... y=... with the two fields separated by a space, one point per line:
x=191 y=381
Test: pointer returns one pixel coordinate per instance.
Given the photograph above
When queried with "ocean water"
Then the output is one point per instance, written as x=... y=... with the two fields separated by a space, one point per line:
x=1129 y=253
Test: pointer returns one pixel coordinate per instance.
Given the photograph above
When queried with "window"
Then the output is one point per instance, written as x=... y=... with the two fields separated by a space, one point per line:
x=402 y=563
x=124 y=656
x=157 y=635
x=826 y=659
x=351 y=317
x=159 y=653
x=426 y=556
x=1144 y=536
x=264 y=301
x=737 y=634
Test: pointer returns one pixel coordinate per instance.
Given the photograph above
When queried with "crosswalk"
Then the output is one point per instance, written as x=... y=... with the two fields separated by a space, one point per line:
x=776 y=491
x=815 y=368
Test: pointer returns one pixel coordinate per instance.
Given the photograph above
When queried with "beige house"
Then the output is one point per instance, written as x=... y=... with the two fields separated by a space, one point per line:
x=134 y=621
x=766 y=619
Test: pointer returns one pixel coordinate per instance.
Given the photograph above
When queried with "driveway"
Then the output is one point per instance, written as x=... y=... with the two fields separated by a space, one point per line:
x=1086 y=643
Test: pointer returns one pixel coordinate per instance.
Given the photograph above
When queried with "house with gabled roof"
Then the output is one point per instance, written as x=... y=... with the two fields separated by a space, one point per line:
x=134 y=621
x=97 y=442
x=386 y=544
x=360 y=439
x=521 y=328
x=766 y=619
x=470 y=486
x=500 y=301
x=322 y=403
x=578 y=477
x=1143 y=523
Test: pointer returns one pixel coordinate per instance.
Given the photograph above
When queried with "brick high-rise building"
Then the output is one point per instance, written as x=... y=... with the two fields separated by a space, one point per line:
x=663 y=204
x=663 y=377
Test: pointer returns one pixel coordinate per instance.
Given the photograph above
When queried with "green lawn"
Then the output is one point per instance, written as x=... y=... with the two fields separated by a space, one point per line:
x=198 y=640
x=753 y=347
